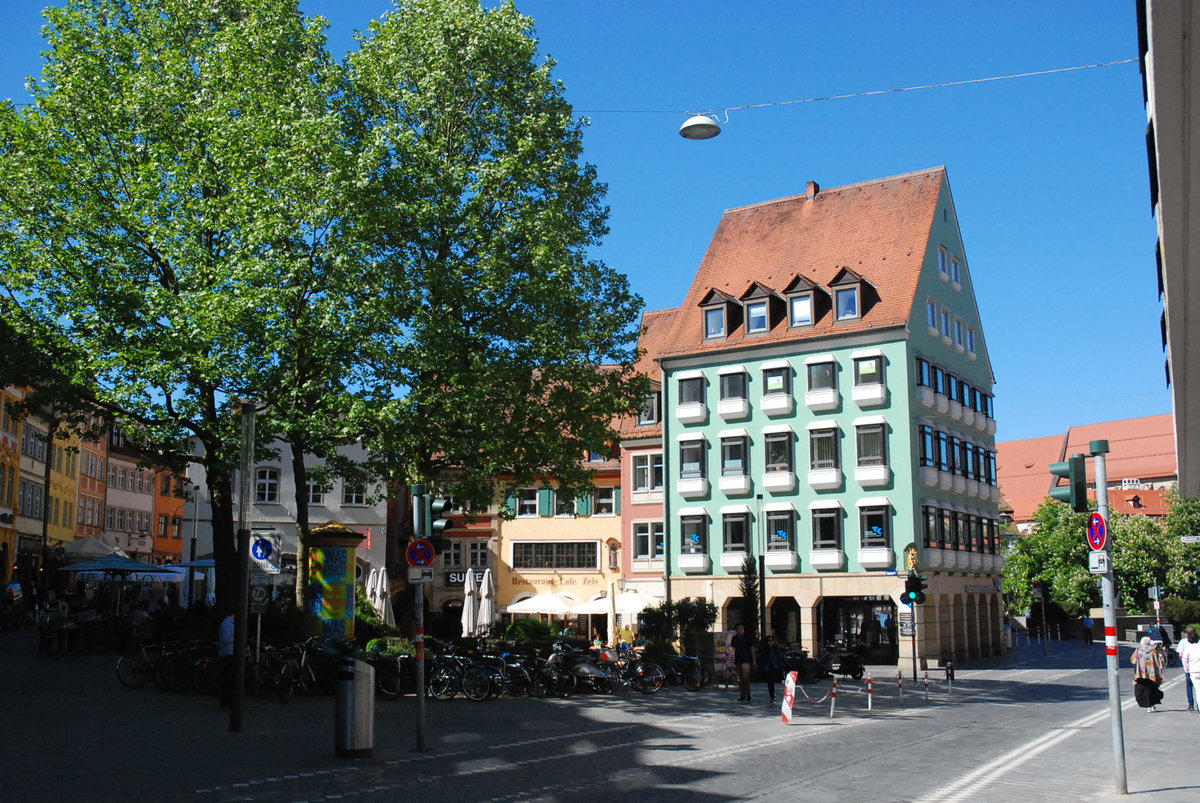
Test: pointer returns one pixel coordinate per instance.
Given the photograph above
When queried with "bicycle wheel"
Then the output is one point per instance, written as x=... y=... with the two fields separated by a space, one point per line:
x=444 y=683
x=387 y=679
x=173 y=673
x=565 y=683
x=288 y=680
x=693 y=678
x=477 y=683
x=652 y=677
x=206 y=675
x=539 y=683
x=519 y=681
x=133 y=671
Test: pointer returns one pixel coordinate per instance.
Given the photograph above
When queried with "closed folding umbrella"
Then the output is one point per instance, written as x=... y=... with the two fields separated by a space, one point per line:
x=470 y=605
x=383 y=589
x=487 y=602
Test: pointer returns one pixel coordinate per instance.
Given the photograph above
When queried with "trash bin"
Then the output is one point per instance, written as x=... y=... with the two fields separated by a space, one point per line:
x=354 y=708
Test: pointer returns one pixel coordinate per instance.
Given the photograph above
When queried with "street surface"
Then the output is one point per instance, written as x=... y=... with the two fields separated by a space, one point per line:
x=1022 y=728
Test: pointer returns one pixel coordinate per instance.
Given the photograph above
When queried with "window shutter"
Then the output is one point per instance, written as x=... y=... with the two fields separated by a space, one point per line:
x=545 y=502
x=617 y=500
x=583 y=505
x=510 y=504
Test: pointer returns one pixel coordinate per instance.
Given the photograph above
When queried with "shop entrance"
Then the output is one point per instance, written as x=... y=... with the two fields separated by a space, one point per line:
x=866 y=623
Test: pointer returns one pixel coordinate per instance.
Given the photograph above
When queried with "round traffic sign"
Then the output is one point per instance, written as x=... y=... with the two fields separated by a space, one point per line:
x=1097 y=532
x=258 y=593
x=419 y=553
x=261 y=549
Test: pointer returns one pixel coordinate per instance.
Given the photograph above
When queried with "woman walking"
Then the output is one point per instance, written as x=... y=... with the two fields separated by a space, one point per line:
x=1147 y=675
x=773 y=662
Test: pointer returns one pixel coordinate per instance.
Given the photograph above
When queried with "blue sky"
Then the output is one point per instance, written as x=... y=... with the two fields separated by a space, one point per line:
x=1049 y=173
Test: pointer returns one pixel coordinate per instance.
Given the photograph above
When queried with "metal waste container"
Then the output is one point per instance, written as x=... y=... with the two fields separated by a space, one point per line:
x=354 y=708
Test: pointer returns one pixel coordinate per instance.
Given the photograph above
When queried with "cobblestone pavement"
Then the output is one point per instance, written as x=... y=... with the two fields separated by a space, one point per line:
x=1021 y=727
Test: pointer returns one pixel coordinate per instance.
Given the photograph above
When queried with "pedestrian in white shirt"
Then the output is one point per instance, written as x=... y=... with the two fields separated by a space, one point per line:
x=1189 y=656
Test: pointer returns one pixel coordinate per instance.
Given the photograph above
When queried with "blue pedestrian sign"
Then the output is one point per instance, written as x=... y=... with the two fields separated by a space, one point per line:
x=264 y=551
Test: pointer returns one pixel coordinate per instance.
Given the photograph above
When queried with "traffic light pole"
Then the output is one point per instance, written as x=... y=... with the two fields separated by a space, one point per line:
x=1108 y=596
x=418 y=498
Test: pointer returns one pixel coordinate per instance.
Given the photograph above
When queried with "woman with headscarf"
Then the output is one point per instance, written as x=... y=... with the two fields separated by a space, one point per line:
x=1147 y=663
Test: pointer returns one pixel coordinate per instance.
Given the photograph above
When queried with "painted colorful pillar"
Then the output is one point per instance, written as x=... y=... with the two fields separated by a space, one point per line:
x=331 y=562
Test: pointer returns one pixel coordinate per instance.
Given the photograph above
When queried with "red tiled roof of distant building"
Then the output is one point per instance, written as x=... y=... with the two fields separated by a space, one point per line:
x=1023 y=472
x=1133 y=501
x=1141 y=448
x=877 y=229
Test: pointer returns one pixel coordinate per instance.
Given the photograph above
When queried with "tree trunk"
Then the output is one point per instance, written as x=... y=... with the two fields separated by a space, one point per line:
x=300 y=473
x=220 y=492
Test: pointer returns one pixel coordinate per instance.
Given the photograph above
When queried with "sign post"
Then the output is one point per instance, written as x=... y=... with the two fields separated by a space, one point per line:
x=419 y=555
x=1098 y=531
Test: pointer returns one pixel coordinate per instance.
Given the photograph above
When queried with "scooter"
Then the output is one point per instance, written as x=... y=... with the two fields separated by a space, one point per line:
x=849 y=664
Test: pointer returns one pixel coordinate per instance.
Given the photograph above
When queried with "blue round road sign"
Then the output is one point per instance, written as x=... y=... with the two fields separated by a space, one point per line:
x=419 y=553
x=1097 y=532
x=261 y=549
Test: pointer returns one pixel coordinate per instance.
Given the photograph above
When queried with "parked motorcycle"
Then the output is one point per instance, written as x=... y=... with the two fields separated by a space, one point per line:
x=847 y=663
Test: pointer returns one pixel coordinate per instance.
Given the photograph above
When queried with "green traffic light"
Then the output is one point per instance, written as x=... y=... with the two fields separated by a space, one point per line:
x=1074 y=493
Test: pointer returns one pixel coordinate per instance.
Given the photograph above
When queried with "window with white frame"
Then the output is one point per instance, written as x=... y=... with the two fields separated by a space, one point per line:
x=777 y=380
x=945 y=322
x=694 y=534
x=647 y=473
x=316 y=492
x=563 y=555
x=266 y=486
x=931 y=313
x=781 y=530
x=480 y=554
x=801 y=309
x=970 y=340
x=756 y=317
x=563 y=505
x=868 y=371
x=954 y=270
x=527 y=502
x=733 y=386
x=604 y=502
x=452 y=552
x=733 y=456
x=876 y=526
x=823 y=449
x=691 y=459
x=827 y=528
x=778 y=448
x=354 y=494
x=648 y=540
x=942 y=261
x=649 y=412
x=714 y=322
x=735 y=529
x=822 y=375
x=846 y=301
x=958 y=331
x=872 y=445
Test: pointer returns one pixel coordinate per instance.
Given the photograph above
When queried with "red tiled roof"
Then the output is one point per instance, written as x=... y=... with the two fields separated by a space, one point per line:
x=877 y=229
x=1139 y=448
x=1147 y=502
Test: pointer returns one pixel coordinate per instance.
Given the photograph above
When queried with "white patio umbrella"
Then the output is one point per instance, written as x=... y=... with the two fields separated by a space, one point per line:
x=487 y=602
x=552 y=604
x=383 y=591
x=369 y=588
x=470 y=606
x=627 y=603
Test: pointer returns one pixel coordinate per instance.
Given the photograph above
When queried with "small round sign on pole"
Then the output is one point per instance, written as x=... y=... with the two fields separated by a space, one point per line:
x=1097 y=532
x=420 y=552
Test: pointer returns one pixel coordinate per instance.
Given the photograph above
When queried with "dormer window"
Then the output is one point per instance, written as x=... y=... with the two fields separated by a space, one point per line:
x=648 y=413
x=852 y=295
x=757 y=319
x=806 y=302
x=714 y=322
x=847 y=303
x=800 y=309
x=722 y=314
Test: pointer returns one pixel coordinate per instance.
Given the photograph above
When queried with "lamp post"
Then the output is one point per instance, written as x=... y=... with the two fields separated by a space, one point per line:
x=192 y=553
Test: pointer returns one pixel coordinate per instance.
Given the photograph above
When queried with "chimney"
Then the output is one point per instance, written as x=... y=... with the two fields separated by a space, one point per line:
x=813 y=189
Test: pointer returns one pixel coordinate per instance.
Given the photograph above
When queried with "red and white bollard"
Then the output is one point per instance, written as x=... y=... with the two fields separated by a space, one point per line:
x=900 y=686
x=789 y=696
x=832 y=698
x=926 y=687
x=870 y=694
x=949 y=676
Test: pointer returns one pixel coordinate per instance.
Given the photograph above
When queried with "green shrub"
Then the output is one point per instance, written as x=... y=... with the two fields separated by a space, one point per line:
x=528 y=630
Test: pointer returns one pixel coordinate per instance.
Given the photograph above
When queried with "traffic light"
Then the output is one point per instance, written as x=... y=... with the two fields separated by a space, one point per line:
x=436 y=523
x=914 y=589
x=1074 y=493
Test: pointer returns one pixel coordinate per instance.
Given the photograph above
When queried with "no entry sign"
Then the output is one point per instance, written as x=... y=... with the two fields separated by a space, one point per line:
x=1097 y=532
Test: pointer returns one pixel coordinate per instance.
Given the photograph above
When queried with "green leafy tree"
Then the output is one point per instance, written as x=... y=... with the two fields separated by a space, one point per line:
x=1183 y=570
x=512 y=348
x=1140 y=559
x=1054 y=553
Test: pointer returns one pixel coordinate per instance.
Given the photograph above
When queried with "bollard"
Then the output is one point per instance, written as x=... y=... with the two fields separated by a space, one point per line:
x=870 y=694
x=949 y=676
x=900 y=685
x=927 y=687
x=832 y=698
x=789 y=697
x=1058 y=632
x=354 y=709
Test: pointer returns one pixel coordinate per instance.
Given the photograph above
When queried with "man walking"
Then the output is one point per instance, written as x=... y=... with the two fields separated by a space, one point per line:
x=743 y=659
x=1088 y=625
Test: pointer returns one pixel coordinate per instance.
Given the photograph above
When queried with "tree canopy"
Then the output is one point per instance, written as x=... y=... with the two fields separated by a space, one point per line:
x=201 y=205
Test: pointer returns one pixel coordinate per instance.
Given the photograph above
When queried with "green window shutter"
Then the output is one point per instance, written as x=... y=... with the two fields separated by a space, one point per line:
x=583 y=505
x=545 y=502
x=510 y=504
x=617 y=500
